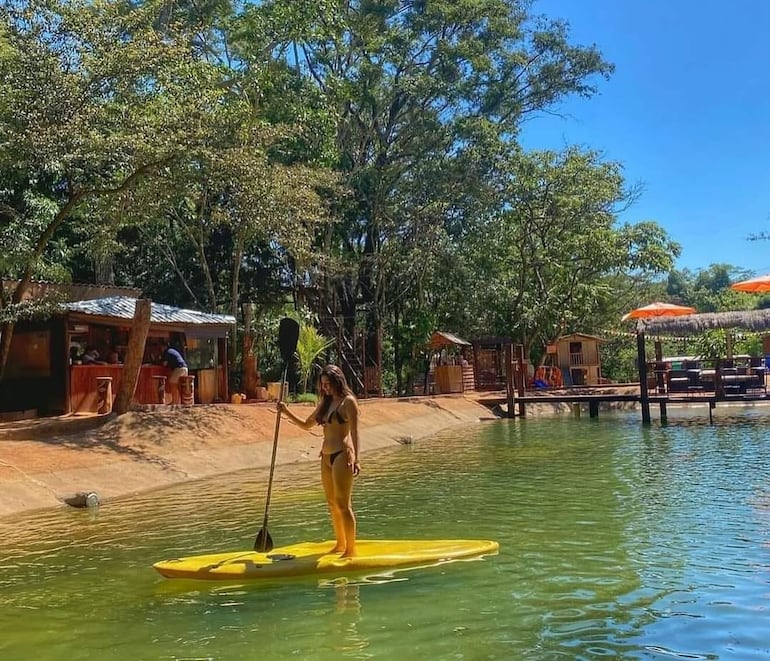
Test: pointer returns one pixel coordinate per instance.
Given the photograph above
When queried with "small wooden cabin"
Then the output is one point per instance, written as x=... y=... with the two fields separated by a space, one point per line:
x=45 y=371
x=579 y=359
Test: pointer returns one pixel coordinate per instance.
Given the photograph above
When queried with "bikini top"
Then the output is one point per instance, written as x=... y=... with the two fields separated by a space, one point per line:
x=335 y=415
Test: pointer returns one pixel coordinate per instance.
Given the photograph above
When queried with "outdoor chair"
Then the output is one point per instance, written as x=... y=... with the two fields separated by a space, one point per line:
x=678 y=381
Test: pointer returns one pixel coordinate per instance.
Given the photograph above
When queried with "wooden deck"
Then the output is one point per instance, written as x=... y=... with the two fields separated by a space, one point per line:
x=594 y=399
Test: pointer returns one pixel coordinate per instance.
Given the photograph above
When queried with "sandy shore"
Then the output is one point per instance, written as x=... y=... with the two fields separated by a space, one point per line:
x=45 y=462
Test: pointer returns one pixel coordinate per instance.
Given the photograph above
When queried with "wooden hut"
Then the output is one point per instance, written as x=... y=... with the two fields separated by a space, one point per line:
x=45 y=371
x=453 y=363
x=579 y=359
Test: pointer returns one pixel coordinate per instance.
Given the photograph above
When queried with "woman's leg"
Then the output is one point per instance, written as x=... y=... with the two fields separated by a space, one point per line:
x=342 y=478
x=328 y=484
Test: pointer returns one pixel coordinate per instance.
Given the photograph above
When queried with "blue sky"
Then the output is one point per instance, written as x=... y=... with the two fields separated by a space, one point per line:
x=687 y=112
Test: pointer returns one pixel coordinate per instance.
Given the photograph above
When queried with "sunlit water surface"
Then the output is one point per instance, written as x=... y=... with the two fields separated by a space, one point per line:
x=616 y=541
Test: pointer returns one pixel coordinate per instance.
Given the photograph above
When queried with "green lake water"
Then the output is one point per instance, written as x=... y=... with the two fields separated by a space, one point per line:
x=616 y=541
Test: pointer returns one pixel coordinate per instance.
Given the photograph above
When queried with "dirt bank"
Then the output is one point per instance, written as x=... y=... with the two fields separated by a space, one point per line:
x=44 y=461
x=41 y=464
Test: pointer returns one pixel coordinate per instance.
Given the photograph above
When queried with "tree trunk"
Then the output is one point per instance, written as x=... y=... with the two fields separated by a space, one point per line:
x=6 y=335
x=234 y=290
x=249 y=380
x=398 y=363
x=134 y=355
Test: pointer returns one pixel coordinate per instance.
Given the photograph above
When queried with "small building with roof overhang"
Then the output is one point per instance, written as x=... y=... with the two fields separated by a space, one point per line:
x=46 y=370
x=579 y=359
x=451 y=365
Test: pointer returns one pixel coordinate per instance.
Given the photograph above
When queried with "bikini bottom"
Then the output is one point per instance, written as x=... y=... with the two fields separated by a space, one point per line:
x=333 y=455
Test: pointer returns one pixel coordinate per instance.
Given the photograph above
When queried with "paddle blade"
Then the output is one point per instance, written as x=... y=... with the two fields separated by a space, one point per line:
x=288 y=335
x=263 y=543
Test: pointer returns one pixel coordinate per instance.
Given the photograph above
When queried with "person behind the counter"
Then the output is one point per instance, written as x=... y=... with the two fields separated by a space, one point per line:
x=92 y=357
x=172 y=359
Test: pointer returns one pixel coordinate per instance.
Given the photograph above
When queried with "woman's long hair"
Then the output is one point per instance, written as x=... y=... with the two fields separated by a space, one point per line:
x=339 y=385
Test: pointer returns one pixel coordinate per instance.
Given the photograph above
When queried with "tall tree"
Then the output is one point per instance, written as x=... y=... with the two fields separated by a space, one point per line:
x=544 y=263
x=412 y=85
x=94 y=99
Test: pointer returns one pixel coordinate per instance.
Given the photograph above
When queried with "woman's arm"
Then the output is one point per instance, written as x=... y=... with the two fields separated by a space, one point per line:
x=352 y=414
x=307 y=423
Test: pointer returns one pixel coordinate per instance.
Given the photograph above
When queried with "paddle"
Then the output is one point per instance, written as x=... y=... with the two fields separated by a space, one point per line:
x=288 y=334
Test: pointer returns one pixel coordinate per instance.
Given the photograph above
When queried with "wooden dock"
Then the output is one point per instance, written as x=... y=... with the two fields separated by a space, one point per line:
x=594 y=399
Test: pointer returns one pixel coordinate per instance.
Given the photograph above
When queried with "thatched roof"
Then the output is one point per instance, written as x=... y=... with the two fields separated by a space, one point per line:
x=692 y=324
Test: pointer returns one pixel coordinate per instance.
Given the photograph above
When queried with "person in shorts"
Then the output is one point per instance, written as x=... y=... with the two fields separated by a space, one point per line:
x=172 y=359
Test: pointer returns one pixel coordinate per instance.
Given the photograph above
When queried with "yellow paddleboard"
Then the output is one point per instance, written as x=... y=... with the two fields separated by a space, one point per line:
x=314 y=558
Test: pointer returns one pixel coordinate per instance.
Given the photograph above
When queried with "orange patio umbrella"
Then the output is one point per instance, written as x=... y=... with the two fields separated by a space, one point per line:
x=754 y=285
x=657 y=309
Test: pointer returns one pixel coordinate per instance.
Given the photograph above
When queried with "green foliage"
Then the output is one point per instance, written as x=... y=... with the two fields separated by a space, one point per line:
x=310 y=346
x=360 y=156
x=31 y=309
x=557 y=247
x=306 y=397
x=707 y=290
x=618 y=356
x=422 y=96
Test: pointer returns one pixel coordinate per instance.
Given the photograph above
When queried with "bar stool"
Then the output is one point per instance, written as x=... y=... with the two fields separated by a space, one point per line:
x=160 y=388
x=104 y=393
x=187 y=390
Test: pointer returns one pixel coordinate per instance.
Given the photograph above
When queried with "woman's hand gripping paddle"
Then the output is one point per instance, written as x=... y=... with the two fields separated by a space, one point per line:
x=288 y=334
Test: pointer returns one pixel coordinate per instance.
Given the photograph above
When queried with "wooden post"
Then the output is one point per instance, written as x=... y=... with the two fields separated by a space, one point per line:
x=222 y=384
x=509 y=388
x=134 y=353
x=660 y=377
x=593 y=409
x=719 y=386
x=523 y=380
x=641 y=359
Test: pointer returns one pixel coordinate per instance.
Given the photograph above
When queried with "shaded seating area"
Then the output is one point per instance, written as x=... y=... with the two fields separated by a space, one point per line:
x=741 y=377
x=733 y=376
x=728 y=376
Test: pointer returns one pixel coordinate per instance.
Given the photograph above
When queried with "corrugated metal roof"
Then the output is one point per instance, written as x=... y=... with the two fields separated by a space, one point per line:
x=122 y=307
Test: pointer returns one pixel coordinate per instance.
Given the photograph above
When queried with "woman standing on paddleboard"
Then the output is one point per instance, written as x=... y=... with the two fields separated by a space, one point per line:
x=337 y=413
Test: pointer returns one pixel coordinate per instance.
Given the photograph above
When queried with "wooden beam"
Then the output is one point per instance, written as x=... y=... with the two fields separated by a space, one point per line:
x=641 y=359
x=509 y=386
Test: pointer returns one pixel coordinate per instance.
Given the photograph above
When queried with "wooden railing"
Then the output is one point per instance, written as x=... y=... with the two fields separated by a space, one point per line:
x=584 y=358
